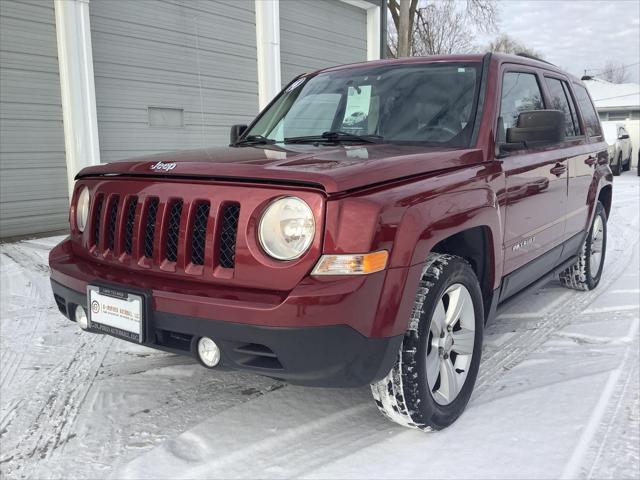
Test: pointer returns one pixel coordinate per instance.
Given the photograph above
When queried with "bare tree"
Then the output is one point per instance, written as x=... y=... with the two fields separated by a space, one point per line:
x=420 y=27
x=614 y=73
x=441 y=29
x=506 y=44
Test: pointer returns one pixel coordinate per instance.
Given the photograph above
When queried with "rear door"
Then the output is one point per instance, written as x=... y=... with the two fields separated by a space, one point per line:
x=536 y=186
x=575 y=149
x=583 y=167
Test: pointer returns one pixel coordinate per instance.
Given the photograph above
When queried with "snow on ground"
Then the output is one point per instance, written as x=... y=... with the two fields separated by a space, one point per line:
x=558 y=394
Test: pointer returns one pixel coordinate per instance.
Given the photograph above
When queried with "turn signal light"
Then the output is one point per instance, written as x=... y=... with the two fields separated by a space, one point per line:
x=352 y=264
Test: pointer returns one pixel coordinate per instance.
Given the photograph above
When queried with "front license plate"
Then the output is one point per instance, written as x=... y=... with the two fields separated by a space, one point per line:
x=116 y=312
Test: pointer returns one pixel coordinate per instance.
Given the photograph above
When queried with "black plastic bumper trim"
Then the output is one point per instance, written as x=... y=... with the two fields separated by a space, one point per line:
x=327 y=356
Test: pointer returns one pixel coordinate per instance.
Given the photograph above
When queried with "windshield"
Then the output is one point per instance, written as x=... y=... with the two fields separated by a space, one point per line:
x=427 y=103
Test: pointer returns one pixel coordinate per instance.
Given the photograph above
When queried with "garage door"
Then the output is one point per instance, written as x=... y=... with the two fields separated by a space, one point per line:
x=33 y=177
x=320 y=33
x=172 y=75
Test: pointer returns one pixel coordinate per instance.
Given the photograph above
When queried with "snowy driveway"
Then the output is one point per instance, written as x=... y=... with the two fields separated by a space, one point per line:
x=557 y=395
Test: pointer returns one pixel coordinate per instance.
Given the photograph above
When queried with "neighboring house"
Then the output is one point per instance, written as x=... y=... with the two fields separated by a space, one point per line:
x=138 y=77
x=618 y=102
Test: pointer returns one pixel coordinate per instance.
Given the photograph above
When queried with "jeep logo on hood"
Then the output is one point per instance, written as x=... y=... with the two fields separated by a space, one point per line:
x=163 y=166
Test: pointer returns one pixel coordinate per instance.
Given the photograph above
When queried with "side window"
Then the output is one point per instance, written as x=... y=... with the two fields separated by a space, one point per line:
x=560 y=101
x=520 y=93
x=572 y=107
x=589 y=115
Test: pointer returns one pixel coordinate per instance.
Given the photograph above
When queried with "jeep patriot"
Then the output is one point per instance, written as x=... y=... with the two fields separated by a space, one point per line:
x=360 y=231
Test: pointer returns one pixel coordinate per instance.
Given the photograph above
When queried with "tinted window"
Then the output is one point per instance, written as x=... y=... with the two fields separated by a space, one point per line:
x=559 y=101
x=432 y=103
x=520 y=93
x=572 y=107
x=589 y=115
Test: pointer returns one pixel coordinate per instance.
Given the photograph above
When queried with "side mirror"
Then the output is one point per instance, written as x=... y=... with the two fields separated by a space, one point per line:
x=537 y=128
x=623 y=136
x=236 y=132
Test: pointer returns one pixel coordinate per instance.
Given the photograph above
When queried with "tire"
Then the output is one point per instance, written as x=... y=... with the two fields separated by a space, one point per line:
x=415 y=392
x=586 y=272
x=617 y=168
x=627 y=166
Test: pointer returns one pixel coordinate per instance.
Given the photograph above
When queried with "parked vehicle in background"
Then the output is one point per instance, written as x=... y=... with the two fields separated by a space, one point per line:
x=361 y=231
x=620 y=148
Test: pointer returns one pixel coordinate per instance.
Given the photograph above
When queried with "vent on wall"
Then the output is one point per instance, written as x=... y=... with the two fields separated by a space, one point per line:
x=166 y=117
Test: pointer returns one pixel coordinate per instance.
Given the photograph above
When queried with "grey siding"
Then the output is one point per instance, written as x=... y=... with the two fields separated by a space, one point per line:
x=320 y=33
x=192 y=62
x=33 y=177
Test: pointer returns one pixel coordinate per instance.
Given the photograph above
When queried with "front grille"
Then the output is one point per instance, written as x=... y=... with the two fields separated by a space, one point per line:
x=128 y=233
x=228 y=233
x=192 y=234
x=198 y=238
x=113 y=216
x=97 y=219
x=173 y=230
x=150 y=227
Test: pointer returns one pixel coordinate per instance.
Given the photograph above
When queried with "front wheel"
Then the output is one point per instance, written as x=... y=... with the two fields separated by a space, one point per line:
x=585 y=273
x=431 y=383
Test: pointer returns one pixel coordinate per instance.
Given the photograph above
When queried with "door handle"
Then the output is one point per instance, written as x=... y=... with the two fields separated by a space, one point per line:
x=558 y=170
x=591 y=161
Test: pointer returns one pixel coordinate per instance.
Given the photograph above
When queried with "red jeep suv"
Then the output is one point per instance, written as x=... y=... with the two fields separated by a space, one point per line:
x=360 y=231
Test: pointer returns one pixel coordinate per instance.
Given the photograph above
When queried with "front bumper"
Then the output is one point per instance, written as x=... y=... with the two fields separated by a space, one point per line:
x=290 y=343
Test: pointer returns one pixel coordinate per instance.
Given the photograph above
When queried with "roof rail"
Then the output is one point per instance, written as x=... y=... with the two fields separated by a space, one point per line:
x=533 y=57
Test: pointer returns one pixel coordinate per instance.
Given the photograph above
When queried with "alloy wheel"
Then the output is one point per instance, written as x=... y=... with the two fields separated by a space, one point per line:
x=597 y=241
x=451 y=342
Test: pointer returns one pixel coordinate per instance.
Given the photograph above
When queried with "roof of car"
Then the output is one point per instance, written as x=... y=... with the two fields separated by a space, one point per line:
x=476 y=57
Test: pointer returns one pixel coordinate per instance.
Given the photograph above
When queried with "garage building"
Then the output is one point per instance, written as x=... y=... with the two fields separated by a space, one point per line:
x=90 y=81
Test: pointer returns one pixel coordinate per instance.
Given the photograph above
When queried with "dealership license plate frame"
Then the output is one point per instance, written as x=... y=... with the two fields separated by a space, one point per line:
x=116 y=295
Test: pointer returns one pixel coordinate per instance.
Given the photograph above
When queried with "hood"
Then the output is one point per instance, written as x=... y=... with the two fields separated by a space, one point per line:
x=332 y=168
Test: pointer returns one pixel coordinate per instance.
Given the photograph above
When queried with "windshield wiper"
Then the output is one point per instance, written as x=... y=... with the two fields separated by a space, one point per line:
x=336 y=136
x=254 y=140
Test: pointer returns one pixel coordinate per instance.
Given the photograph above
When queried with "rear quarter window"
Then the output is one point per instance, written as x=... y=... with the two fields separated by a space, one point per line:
x=589 y=115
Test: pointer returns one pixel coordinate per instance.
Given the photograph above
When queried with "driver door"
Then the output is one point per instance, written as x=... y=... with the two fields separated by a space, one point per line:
x=536 y=189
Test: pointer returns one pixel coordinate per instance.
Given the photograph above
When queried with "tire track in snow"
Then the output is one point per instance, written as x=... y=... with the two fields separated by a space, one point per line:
x=520 y=345
x=615 y=388
x=52 y=424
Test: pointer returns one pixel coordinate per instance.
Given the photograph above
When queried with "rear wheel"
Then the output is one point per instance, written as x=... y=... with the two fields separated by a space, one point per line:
x=617 y=168
x=431 y=383
x=627 y=165
x=586 y=272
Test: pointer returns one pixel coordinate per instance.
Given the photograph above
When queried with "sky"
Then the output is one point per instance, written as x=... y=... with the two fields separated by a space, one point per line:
x=575 y=34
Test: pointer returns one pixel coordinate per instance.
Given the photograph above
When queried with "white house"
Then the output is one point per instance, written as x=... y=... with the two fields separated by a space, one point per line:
x=618 y=102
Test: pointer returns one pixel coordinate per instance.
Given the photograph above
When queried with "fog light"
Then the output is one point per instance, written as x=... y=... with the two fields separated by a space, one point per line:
x=208 y=352
x=81 y=317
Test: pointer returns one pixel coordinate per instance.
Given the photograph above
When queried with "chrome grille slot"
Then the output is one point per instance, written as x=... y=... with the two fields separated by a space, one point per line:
x=173 y=230
x=111 y=225
x=150 y=227
x=228 y=233
x=128 y=233
x=199 y=235
x=97 y=218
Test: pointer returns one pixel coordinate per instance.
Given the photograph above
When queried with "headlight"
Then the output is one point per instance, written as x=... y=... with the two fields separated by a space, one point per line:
x=286 y=228
x=82 y=209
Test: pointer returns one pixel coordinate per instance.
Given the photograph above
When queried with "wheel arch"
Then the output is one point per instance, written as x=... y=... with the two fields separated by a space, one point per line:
x=605 y=196
x=475 y=245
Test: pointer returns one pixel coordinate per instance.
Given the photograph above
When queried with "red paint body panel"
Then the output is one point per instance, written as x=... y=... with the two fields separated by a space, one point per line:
x=403 y=199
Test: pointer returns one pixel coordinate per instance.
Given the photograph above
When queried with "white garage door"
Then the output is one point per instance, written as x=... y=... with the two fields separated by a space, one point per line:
x=33 y=175
x=320 y=33
x=172 y=75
